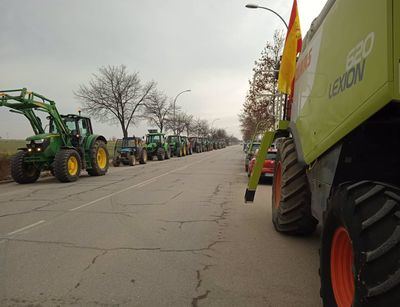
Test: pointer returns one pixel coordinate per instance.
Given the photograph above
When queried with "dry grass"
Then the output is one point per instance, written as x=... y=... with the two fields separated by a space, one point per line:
x=4 y=167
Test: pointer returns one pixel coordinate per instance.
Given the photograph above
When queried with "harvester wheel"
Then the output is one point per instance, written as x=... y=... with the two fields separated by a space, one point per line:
x=360 y=250
x=67 y=165
x=132 y=160
x=291 y=196
x=23 y=172
x=143 y=156
x=99 y=159
x=160 y=154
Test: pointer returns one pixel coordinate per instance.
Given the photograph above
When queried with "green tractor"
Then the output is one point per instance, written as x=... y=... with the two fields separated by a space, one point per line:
x=157 y=146
x=338 y=155
x=67 y=148
x=187 y=145
x=176 y=145
x=129 y=150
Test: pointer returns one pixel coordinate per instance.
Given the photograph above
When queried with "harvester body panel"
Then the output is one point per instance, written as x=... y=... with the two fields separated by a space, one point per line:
x=345 y=73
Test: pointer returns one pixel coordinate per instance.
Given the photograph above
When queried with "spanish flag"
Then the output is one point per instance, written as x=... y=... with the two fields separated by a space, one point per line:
x=293 y=45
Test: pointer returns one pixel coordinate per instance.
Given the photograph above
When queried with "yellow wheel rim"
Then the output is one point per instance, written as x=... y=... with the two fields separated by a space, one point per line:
x=184 y=151
x=73 y=166
x=101 y=158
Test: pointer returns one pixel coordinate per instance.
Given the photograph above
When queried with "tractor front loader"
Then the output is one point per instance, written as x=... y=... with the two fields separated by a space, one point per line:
x=338 y=148
x=67 y=148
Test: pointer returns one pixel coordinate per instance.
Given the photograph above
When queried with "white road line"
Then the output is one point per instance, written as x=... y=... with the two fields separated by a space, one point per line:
x=25 y=228
x=139 y=185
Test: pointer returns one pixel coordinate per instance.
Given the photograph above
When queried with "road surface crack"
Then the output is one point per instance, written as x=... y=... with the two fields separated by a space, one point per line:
x=196 y=299
x=181 y=223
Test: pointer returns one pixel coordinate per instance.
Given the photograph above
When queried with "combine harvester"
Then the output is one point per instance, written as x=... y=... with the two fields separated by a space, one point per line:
x=65 y=150
x=338 y=157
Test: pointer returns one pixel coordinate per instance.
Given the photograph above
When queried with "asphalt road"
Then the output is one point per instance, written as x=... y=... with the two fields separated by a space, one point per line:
x=169 y=233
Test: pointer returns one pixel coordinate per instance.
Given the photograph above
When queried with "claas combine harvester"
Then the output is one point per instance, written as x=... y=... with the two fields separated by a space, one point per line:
x=68 y=147
x=338 y=157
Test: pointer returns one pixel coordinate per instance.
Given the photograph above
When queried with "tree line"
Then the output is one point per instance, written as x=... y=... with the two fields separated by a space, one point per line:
x=259 y=107
x=116 y=96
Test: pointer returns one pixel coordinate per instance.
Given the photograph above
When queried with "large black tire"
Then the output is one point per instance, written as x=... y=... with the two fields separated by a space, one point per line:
x=23 y=172
x=99 y=167
x=132 y=160
x=63 y=170
x=291 y=196
x=160 y=154
x=360 y=250
x=178 y=151
x=143 y=156
x=168 y=154
x=116 y=162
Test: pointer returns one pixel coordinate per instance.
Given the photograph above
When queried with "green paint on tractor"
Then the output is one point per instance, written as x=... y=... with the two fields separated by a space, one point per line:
x=157 y=146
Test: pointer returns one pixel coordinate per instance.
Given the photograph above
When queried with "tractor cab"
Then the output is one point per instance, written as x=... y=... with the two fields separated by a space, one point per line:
x=156 y=145
x=128 y=150
x=79 y=126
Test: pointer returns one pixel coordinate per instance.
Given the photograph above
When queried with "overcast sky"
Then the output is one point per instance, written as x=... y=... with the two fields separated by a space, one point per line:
x=208 y=46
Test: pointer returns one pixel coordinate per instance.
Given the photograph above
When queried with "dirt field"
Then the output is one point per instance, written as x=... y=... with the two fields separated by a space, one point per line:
x=9 y=147
x=4 y=167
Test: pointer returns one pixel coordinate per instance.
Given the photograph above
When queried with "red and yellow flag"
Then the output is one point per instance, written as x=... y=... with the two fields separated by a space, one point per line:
x=293 y=45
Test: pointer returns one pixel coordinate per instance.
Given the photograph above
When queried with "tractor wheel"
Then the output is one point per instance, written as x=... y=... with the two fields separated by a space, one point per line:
x=23 y=172
x=143 y=156
x=132 y=160
x=99 y=159
x=168 y=154
x=178 y=152
x=291 y=196
x=151 y=157
x=160 y=154
x=184 y=151
x=360 y=251
x=67 y=165
x=116 y=162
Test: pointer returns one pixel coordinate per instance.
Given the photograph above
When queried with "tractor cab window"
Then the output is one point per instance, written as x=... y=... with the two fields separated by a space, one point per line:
x=70 y=123
x=129 y=143
x=154 y=138
x=52 y=127
x=83 y=127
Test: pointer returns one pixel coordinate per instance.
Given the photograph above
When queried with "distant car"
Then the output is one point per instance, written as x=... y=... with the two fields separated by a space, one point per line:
x=251 y=149
x=269 y=164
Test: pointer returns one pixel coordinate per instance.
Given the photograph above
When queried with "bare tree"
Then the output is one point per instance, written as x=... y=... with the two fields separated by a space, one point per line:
x=114 y=95
x=188 y=123
x=261 y=108
x=157 y=109
x=202 y=127
x=179 y=123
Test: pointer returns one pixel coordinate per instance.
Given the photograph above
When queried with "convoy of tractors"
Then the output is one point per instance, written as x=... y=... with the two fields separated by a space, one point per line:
x=70 y=146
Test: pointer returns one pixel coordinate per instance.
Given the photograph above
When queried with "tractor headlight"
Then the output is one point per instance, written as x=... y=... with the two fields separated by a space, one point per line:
x=40 y=141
